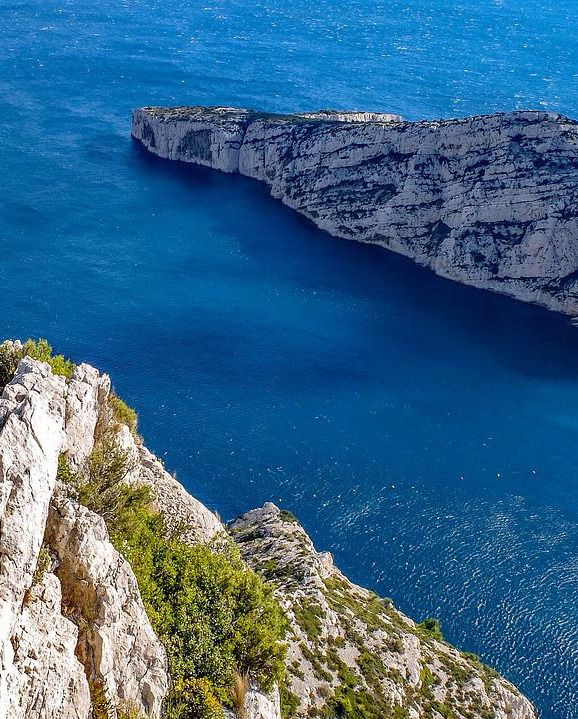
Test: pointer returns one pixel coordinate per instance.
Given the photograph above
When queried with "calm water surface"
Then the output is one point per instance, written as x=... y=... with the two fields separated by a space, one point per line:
x=425 y=432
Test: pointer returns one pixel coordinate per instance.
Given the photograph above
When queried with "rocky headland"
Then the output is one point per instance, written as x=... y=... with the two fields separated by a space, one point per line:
x=488 y=201
x=83 y=628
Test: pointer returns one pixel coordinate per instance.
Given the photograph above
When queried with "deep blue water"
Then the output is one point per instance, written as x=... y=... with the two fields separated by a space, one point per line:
x=425 y=432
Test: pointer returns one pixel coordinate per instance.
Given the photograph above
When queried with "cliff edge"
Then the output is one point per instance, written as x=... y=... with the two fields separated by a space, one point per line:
x=77 y=636
x=488 y=201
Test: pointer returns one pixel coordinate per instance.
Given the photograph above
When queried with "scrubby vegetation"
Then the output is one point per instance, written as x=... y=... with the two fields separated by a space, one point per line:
x=288 y=516
x=289 y=701
x=122 y=413
x=216 y=618
x=43 y=564
x=11 y=353
x=9 y=359
x=41 y=350
x=431 y=627
x=129 y=710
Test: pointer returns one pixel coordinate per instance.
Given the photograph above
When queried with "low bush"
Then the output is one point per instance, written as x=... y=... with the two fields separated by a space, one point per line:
x=122 y=413
x=100 y=484
x=289 y=701
x=43 y=564
x=288 y=516
x=215 y=617
x=130 y=710
x=193 y=699
x=41 y=350
x=9 y=358
x=431 y=627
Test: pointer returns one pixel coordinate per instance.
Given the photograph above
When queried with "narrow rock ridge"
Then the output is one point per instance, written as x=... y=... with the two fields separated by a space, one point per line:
x=488 y=201
x=345 y=636
x=72 y=619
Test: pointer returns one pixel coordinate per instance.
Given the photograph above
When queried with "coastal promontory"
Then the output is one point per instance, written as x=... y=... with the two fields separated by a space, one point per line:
x=488 y=201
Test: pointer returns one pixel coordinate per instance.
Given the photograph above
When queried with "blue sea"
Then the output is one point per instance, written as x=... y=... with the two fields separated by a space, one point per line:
x=425 y=432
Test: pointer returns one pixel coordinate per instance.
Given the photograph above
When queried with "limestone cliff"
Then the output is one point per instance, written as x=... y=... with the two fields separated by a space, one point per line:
x=487 y=201
x=73 y=626
x=71 y=618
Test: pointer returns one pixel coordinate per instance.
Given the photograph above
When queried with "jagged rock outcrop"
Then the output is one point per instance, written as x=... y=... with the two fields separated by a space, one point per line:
x=346 y=640
x=72 y=619
x=79 y=619
x=44 y=679
x=116 y=643
x=487 y=201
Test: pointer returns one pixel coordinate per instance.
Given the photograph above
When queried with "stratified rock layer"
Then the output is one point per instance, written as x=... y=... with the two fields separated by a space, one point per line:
x=487 y=201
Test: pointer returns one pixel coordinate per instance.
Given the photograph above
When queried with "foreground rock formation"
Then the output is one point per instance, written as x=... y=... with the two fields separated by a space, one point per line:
x=71 y=618
x=487 y=201
x=73 y=625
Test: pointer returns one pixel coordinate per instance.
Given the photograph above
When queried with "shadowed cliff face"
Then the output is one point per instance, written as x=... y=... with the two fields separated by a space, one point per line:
x=487 y=201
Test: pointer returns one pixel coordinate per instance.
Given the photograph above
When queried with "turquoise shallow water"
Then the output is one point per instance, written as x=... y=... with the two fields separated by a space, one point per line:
x=425 y=432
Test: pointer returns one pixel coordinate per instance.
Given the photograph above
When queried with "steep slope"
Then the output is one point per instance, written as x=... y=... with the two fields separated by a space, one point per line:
x=487 y=201
x=72 y=622
x=351 y=649
x=73 y=626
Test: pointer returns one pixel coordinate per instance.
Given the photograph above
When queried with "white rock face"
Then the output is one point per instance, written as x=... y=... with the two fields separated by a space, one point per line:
x=44 y=679
x=262 y=706
x=116 y=644
x=32 y=411
x=87 y=394
x=45 y=661
x=487 y=201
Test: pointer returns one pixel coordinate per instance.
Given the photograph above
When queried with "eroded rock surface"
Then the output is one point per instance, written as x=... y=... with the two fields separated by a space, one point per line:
x=70 y=611
x=117 y=645
x=487 y=201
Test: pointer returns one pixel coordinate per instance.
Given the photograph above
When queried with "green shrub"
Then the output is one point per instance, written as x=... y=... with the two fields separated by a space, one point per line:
x=9 y=358
x=122 y=413
x=431 y=627
x=100 y=484
x=214 y=616
x=41 y=350
x=37 y=349
x=473 y=657
x=193 y=699
x=289 y=701
x=102 y=707
x=130 y=710
x=309 y=617
x=43 y=564
x=288 y=516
